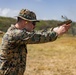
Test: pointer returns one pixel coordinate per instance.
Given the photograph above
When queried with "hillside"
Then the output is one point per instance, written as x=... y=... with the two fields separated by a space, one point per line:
x=5 y=23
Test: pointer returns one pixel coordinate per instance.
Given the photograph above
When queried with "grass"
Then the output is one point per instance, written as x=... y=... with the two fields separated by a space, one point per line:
x=53 y=58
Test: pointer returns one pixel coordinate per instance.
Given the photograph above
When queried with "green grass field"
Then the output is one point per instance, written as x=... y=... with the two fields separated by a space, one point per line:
x=53 y=58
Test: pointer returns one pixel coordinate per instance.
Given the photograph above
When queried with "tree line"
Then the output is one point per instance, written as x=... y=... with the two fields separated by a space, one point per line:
x=5 y=23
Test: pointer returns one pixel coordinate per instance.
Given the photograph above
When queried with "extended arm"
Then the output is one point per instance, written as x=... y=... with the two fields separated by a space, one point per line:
x=19 y=36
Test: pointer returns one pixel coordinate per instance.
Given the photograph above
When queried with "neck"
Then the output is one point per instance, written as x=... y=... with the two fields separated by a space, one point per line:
x=19 y=26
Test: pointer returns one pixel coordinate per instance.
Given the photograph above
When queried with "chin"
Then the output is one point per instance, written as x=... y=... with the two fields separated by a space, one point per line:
x=30 y=30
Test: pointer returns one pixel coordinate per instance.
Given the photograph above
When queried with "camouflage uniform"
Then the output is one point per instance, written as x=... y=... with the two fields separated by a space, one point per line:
x=13 y=50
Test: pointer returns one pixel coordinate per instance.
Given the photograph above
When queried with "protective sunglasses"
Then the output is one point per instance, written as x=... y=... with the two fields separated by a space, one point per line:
x=34 y=23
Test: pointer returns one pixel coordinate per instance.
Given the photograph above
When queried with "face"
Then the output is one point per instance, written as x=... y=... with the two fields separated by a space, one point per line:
x=30 y=25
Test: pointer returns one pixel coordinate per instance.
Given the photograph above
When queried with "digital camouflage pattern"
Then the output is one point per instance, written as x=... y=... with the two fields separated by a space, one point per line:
x=14 y=48
x=28 y=15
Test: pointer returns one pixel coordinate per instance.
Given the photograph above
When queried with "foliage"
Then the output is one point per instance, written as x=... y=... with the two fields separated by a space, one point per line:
x=5 y=23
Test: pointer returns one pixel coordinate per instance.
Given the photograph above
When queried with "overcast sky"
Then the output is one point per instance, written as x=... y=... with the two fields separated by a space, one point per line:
x=44 y=9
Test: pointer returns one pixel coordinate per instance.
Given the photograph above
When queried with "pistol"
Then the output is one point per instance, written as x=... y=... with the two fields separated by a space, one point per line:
x=65 y=22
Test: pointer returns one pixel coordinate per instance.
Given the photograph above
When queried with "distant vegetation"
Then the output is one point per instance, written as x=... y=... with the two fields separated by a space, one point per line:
x=5 y=23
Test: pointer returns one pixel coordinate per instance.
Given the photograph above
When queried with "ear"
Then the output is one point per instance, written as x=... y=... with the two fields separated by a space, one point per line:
x=26 y=22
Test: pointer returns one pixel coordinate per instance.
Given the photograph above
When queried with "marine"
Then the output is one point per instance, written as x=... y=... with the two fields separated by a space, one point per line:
x=13 y=49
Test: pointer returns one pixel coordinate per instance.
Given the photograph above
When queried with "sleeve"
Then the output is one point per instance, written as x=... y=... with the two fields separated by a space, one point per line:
x=42 y=37
x=23 y=36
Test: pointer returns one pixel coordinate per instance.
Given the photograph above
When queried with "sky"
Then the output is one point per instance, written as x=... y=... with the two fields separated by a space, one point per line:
x=44 y=9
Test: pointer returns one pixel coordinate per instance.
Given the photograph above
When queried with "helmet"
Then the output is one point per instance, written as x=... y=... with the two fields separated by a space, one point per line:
x=27 y=15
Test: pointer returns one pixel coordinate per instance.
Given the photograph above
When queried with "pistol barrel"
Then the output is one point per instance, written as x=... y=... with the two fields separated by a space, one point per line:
x=65 y=22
